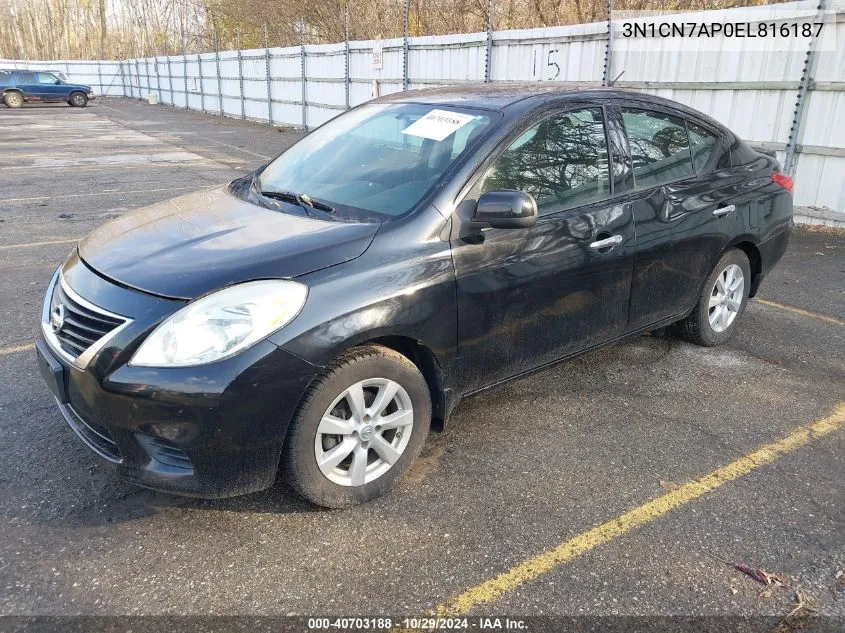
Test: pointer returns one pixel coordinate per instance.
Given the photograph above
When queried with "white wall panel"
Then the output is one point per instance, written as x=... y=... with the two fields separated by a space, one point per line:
x=753 y=91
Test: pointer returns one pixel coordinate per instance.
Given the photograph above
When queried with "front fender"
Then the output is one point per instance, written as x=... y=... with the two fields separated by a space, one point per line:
x=404 y=285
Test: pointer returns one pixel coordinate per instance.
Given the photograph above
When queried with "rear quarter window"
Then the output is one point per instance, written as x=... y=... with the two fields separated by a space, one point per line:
x=703 y=142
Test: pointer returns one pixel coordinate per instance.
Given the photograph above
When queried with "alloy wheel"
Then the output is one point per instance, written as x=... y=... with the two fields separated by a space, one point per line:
x=726 y=298
x=77 y=99
x=364 y=432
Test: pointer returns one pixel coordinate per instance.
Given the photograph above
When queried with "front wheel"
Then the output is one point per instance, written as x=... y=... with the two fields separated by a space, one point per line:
x=78 y=100
x=359 y=427
x=722 y=301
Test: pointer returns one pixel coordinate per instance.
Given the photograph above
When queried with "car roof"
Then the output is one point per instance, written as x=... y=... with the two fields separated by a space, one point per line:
x=506 y=96
x=500 y=96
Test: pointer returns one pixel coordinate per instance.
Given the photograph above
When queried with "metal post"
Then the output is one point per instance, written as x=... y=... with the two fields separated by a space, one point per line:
x=219 y=78
x=347 y=82
x=158 y=77
x=138 y=75
x=170 y=82
x=149 y=75
x=100 y=77
x=488 y=58
x=608 y=52
x=241 y=76
x=268 y=75
x=185 y=72
x=799 y=114
x=122 y=78
x=304 y=103
x=405 y=47
x=202 y=84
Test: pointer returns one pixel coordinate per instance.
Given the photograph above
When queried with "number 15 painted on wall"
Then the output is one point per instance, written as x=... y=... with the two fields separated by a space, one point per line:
x=550 y=63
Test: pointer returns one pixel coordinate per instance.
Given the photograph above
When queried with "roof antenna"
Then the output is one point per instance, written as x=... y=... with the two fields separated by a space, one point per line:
x=613 y=83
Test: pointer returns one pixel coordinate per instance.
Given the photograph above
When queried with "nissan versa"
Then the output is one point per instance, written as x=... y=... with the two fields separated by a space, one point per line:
x=317 y=315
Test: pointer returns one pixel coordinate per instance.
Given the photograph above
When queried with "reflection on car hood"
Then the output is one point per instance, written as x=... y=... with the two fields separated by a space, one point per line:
x=188 y=246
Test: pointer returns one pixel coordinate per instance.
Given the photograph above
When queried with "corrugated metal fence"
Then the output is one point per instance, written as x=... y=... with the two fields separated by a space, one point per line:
x=789 y=101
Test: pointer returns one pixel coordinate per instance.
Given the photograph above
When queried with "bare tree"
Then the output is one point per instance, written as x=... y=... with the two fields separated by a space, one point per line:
x=112 y=29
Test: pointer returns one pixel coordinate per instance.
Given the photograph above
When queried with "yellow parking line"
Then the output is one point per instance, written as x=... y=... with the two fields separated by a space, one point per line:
x=14 y=349
x=806 y=313
x=652 y=510
x=4 y=247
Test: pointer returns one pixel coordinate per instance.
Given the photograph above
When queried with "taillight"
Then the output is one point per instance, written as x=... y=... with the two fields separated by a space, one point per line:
x=784 y=181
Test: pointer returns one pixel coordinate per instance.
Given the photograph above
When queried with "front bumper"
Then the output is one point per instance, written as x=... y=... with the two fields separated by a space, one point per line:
x=210 y=431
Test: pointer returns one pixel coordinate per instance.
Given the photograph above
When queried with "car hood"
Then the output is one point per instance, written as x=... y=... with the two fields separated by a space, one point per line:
x=191 y=245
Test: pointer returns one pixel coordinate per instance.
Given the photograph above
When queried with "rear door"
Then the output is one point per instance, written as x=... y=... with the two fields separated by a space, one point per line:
x=28 y=85
x=682 y=196
x=527 y=297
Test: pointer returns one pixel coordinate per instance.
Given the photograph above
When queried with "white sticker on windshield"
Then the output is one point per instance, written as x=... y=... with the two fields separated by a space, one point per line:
x=438 y=124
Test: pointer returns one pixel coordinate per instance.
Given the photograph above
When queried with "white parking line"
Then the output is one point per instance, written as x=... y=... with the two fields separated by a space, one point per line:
x=170 y=165
x=14 y=349
x=150 y=133
x=5 y=247
x=104 y=192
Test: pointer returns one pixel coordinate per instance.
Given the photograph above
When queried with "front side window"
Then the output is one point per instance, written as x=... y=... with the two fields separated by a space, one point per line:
x=562 y=161
x=659 y=147
x=382 y=158
x=46 y=78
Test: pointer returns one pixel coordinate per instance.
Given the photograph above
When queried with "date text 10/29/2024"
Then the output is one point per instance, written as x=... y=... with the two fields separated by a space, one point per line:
x=417 y=624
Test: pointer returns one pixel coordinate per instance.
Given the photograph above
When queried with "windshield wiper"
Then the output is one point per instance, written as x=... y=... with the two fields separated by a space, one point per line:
x=302 y=199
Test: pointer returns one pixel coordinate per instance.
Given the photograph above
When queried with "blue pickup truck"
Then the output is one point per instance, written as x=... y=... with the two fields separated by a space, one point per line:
x=20 y=86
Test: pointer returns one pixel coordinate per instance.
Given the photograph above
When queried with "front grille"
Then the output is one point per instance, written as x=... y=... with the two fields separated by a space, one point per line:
x=96 y=437
x=165 y=452
x=83 y=325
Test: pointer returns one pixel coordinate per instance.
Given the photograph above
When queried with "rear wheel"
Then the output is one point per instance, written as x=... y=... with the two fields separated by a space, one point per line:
x=721 y=303
x=78 y=99
x=358 y=429
x=13 y=99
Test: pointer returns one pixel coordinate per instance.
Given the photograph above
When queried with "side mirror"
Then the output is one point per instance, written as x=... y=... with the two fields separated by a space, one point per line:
x=506 y=209
x=58 y=81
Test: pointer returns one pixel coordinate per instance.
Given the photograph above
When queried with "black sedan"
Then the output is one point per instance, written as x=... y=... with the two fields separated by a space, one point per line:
x=318 y=315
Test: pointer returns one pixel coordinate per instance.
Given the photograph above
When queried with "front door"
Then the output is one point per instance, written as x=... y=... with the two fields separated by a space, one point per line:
x=527 y=297
x=50 y=88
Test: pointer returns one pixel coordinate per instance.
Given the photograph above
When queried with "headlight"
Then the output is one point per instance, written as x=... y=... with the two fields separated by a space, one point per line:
x=221 y=324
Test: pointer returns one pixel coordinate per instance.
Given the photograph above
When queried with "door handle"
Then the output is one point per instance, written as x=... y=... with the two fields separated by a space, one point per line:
x=608 y=242
x=724 y=210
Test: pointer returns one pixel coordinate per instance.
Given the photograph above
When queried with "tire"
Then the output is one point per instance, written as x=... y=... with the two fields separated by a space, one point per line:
x=373 y=368
x=78 y=99
x=714 y=318
x=13 y=99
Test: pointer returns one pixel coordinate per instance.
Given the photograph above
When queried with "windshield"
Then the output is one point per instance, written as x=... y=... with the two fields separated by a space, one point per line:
x=382 y=158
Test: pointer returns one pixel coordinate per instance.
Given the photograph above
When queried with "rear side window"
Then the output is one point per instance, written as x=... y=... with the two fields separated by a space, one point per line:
x=26 y=78
x=562 y=161
x=660 y=148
